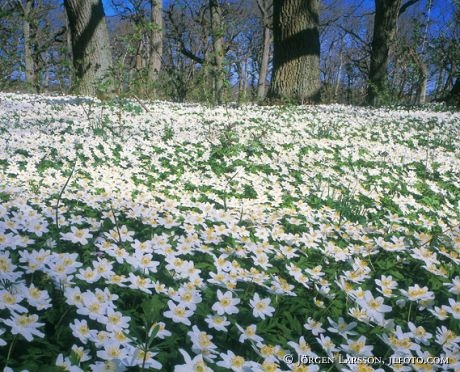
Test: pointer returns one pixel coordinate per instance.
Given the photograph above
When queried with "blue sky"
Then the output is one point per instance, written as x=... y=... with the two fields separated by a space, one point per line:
x=110 y=11
x=440 y=8
x=440 y=15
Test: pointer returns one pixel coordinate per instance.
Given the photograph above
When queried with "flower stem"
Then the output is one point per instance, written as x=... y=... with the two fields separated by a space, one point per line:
x=10 y=349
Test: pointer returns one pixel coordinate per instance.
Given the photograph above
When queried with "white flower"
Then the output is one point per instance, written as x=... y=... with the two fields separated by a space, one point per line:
x=77 y=235
x=65 y=364
x=88 y=275
x=202 y=343
x=302 y=348
x=115 y=321
x=446 y=337
x=178 y=313
x=114 y=365
x=454 y=287
x=249 y=333
x=80 y=353
x=195 y=364
x=313 y=326
x=439 y=312
x=25 y=325
x=231 y=361
x=80 y=330
x=326 y=343
x=261 y=307
x=226 y=303
x=93 y=306
x=453 y=309
x=358 y=347
x=341 y=327
x=420 y=334
x=11 y=301
x=417 y=293
x=112 y=350
x=37 y=298
x=401 y=342
x=137 y=357
x=141 y=283
x=162 y=331
x=374 y=307
x=188 y=297
x=218 y=322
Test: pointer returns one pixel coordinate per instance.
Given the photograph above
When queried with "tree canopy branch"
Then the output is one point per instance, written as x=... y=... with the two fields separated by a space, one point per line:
x=406 y=5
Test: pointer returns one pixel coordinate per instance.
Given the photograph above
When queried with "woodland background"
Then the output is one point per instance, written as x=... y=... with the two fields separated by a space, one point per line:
x=222 y=51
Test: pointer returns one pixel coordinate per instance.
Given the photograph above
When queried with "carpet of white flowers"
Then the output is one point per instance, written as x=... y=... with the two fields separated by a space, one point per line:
x=179 y=237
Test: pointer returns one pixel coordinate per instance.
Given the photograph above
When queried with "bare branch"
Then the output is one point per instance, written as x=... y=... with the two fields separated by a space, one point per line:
x=355 y=35
x=408 y=4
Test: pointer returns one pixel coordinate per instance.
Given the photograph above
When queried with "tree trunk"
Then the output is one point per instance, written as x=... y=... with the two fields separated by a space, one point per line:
x=338 y=81
x=138 y=61
x=296 y=74
x=266 y=10
x=92 y=58
x=439 y=80
x=218 y=72
x=28 y=53
x=453 y=98
x=386 y=15
x=264 y=63
x=242 y=80
x=156 y=39
x=422 y=83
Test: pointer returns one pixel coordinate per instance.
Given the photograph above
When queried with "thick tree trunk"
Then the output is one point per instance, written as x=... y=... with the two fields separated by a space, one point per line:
x=386 y=16
x=156 y=39
x=296 y=74
x=263 y=72
x=218 y=72
x=92 y=56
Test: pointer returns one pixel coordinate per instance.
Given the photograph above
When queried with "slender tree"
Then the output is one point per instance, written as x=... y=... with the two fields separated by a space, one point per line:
x=266 y=11
x=156 y=39
x=296 y=74
x=92 y=57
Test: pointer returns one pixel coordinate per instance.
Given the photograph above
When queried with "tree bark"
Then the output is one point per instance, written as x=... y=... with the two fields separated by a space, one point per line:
x=296 y=74
x=156 y=39
x=386 y=16
x=218 y=72
x=264 y=63
x=338 y=81
x=265 y=8
x=29 y=64
x=242 y=80
x=453 y=97
x=92 y=58
x=420 y=95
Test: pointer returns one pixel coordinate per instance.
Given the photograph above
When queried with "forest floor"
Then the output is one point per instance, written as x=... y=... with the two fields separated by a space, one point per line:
x=167 y=236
